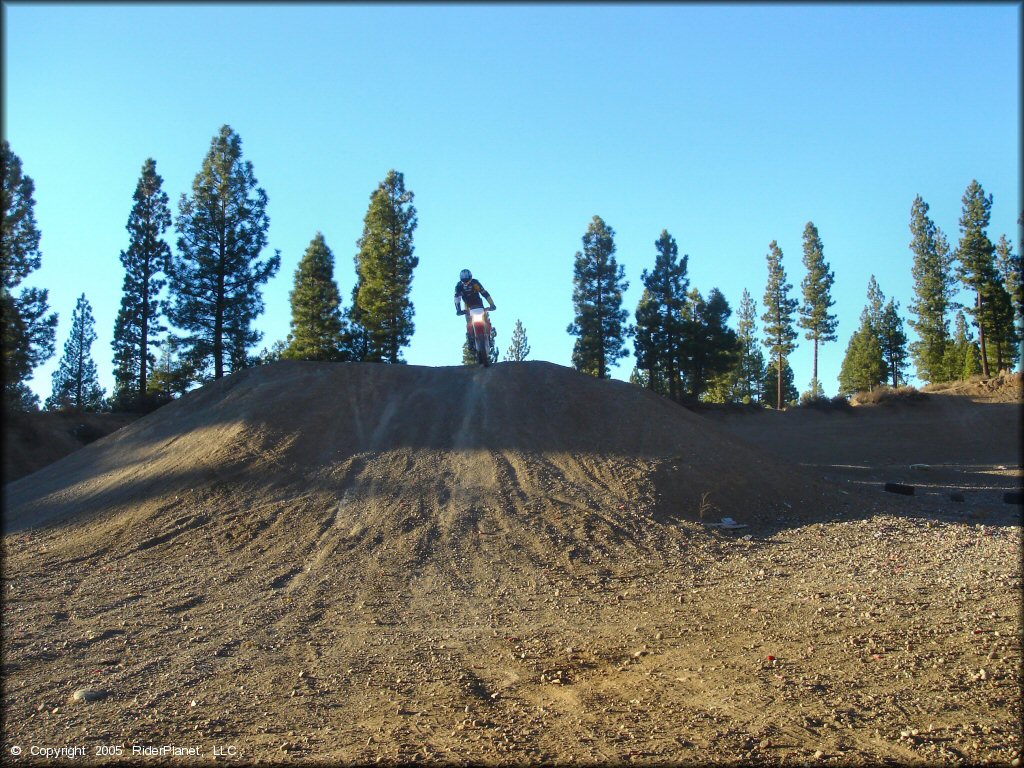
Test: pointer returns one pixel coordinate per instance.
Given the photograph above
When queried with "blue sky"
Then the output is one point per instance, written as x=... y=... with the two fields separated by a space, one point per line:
x=728 y=125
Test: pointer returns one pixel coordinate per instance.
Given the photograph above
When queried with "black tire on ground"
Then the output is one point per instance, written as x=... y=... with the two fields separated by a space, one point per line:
x=905 y=490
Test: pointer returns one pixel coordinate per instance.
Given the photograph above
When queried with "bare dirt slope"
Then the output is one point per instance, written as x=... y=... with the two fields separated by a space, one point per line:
x=360 y=563
x=33 y=440
x=963 y=438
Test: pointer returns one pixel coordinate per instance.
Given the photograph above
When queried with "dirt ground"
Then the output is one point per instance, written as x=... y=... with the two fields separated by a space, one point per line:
x=33 y=440
x=353 y=563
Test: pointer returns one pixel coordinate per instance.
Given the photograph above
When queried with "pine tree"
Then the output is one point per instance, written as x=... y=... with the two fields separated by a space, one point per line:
x=660 y=320
x=977 y=268
x=385 y=264
x=355 y=337
x=520 y=346
x=933 y=293
x=215 y=279
x=893 y=340
x=138 y=321
x=598 y=284
x=1011 y=271
x=711 y=346
x=76 y=386
x=787 y=384
x=1004 y=337
x=316 y=328
x=863 y=367
x=29 y=334
x=876 y=303
x=749 y=373
x=273 y=353
x=817 y=291
x=887 y=326
x=780 y=337
x=645 y=344
x=173 y=375
x=963 y=356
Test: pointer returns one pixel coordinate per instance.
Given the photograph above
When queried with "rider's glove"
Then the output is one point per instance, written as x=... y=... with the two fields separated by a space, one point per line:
x=492 y=307
x=459 y=312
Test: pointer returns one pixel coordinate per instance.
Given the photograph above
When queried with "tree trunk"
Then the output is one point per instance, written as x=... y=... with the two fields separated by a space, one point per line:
x=778 y=382
x=80 y=374
x=218 y=329
x=814 y=377
x=144 y=349
x=981 y=336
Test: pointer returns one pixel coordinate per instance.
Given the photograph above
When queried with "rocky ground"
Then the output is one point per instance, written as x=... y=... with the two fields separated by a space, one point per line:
x=256 y=588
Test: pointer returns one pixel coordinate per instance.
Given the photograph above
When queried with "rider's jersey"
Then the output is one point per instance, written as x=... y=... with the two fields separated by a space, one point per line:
x=471 y=294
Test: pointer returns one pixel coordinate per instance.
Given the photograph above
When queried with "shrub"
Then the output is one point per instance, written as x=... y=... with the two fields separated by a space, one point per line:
x=886 y=394
x=822 y=403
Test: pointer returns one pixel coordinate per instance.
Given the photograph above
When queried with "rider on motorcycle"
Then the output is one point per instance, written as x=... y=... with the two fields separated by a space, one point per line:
x=469 y=291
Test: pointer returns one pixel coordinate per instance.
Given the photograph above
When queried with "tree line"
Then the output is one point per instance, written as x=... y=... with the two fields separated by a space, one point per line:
x=685 y=350
x=202 y=324
x=186 y=315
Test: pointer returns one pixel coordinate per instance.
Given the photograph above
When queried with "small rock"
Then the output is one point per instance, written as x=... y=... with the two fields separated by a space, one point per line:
x=89 y=694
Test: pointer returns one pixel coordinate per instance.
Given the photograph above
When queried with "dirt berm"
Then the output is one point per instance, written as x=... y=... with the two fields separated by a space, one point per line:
x=514 y=447
x=360 y=564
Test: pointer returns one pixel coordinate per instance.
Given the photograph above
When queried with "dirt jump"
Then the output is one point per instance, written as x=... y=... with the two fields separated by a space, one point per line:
x=359 y=563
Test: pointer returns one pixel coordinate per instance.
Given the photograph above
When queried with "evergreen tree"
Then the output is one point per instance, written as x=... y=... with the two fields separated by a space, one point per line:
x=1004 y=337
x=780 y=337
x=963 y=356
x=711 y=345
x=215 y=278
x=788 y=386
x=173 y=375
x=660 y=320
x=749 y=372
x=863 y=367
x=817 y=290
x=384 y=264
x=138 y=321
x=887 y=326
x=645 y=344
x=893 y=340
x=355 y=337
x=598 y=284
x=933 y=293
x=1011 y=271
x=316 y=327
x=876 y=303
x=977 y=267
x=28 y=333
x=520 y=346
x=76 y=386
x=273 y=353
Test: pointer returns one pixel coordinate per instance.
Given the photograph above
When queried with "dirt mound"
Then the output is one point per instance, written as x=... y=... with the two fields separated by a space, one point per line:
x=367 y=564
x=1004 y=388
x=352 y=451
x=33 y=440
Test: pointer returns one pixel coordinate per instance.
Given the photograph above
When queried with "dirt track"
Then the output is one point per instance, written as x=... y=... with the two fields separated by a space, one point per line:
x=361 y=563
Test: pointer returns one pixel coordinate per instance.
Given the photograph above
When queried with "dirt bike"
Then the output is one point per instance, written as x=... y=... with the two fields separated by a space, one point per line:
x=480 y=327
